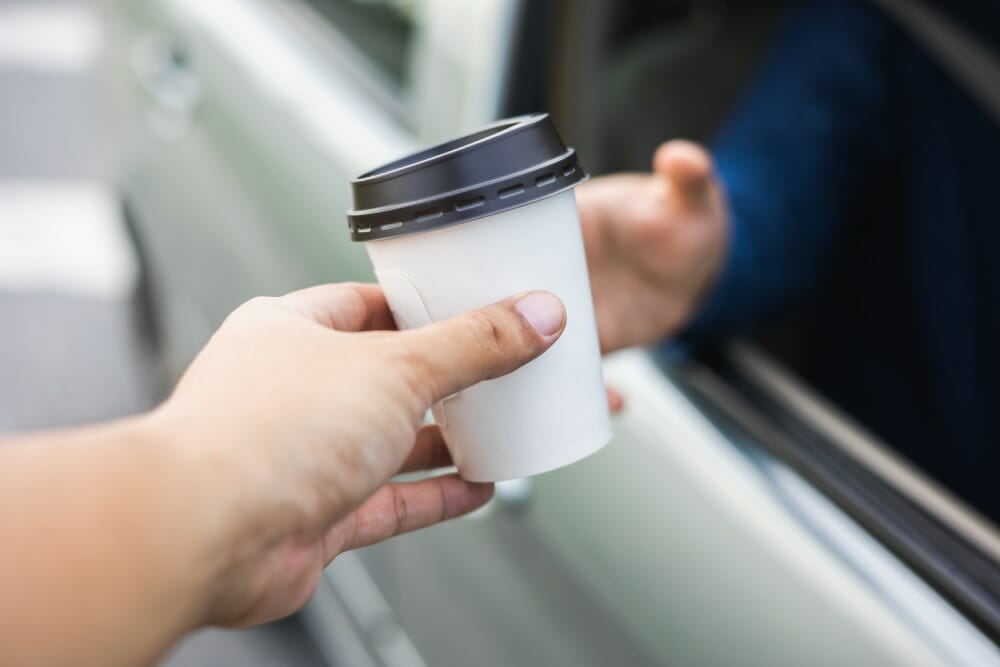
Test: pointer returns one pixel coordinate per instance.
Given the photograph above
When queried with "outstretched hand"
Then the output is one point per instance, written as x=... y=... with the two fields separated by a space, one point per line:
x=275 y=453
x=302 y=409
x=655 y=243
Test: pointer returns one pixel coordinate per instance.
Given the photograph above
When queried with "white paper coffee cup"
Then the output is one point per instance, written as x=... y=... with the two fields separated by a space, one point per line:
x=471 y=222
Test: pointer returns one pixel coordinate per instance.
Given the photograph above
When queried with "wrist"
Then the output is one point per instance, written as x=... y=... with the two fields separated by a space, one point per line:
x=232 y=521
x=195 y=509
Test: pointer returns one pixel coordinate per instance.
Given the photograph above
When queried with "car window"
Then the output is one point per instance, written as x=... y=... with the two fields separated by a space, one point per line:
x=381 y=29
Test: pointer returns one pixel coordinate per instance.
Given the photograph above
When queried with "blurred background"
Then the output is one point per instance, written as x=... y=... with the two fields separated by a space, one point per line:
x=161 y=161
x=72 y=350
x=76 y=337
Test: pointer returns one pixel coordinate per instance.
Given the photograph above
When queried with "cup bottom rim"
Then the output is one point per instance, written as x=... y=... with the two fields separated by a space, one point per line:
x=599 y=443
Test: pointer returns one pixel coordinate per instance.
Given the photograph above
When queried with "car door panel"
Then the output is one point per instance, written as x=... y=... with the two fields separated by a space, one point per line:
x=668 y=547
x=247 y=196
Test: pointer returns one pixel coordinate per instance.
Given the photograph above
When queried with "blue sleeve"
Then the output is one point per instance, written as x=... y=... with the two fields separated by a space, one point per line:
x=815 y=129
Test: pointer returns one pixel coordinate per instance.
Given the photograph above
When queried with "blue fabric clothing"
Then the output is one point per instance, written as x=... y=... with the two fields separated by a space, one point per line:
x=864 y=184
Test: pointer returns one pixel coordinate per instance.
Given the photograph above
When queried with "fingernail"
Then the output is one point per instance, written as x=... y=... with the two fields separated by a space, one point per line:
x=544 y=311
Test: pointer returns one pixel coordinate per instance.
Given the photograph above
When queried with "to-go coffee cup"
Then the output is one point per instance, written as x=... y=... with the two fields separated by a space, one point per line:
x=472 y=221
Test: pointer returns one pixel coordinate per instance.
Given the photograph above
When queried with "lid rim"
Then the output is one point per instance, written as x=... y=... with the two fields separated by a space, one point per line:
x=360 y=214
x=414 y=230
x=467 y=178
x=446 y=211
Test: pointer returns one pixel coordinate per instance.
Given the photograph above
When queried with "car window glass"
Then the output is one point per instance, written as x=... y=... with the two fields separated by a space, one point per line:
x=381 y=29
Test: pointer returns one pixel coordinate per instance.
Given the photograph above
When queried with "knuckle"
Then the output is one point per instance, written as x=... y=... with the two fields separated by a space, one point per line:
x=400 y=511
x=489 y=335
x=656 y=222
x=353 y=308
x=251 y=309
x=259 y=303
x=445 y=504
x=415 y=373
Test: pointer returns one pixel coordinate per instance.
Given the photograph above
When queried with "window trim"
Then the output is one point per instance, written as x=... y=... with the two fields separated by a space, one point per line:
x=944 y=542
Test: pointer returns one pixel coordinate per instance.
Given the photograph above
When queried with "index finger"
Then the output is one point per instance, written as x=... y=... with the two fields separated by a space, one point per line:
x=344 y=306
x=404 y=507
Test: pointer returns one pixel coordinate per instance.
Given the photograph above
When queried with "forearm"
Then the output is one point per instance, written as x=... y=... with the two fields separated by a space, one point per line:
x=106 y=556
x=800 y=157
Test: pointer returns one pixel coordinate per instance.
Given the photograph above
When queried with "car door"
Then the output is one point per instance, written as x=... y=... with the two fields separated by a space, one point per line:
x=695 y=538
x=243 y=122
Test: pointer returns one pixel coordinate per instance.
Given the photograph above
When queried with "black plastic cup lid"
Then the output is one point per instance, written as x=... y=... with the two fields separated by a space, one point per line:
x=510 y=163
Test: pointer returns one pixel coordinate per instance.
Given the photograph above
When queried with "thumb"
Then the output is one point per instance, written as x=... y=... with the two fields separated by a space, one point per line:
x=687 y=168
x=484 y=344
